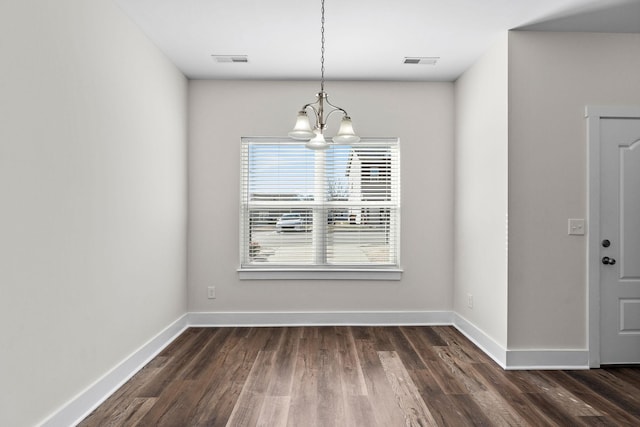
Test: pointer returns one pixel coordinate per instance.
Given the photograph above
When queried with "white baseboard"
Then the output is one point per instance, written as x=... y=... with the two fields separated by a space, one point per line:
x=522 y=359
x=84 y=403
x=483 y=341
x=547 y=359
x=375 y=318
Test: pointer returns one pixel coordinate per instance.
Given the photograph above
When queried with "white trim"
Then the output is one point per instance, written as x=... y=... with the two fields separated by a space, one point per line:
x=316 y=265
x=483 y=341
x=594 y=114
x=593 y=219
x=376 y=318
x=612 y=112
x=85 y=402
x=547 y=359
x=522 y=359
x=392 y=274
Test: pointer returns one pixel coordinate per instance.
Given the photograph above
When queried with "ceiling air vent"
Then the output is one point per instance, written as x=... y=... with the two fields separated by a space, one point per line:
x=231 y=58
x=422 y=60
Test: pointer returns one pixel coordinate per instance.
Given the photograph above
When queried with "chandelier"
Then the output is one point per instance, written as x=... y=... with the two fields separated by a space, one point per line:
x=322 y=110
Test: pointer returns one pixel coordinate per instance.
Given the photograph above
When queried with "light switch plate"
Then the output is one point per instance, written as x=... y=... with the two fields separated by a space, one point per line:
x=576 y=227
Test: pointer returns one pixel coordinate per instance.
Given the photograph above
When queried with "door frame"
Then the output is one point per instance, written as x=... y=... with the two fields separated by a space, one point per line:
x=594 y=114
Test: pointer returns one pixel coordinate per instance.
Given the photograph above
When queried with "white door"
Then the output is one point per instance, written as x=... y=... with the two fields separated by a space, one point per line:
x=619 y=240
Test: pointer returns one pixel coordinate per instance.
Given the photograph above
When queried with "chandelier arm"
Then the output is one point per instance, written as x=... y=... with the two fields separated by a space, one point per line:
x=316 y=113
x=344 y=112
x=309 y=105
x=335 y=108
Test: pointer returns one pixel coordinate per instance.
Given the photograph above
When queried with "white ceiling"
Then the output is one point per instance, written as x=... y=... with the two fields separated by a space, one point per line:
x=365 y=39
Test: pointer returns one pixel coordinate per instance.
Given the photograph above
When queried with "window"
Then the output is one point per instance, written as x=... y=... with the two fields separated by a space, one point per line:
x=321 y=211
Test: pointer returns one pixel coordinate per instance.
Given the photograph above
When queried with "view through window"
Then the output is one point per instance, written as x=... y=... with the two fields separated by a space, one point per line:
x=331 y=208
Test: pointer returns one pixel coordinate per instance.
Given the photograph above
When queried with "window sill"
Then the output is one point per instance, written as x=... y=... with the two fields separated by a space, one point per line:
x=390 y=274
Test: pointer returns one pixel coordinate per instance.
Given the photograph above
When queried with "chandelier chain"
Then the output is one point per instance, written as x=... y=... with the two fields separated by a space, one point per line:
x=322 y=48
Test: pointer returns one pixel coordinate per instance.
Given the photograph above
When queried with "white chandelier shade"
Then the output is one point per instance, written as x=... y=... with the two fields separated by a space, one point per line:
x=317 y=142
x=346 y=135
x=302 y=130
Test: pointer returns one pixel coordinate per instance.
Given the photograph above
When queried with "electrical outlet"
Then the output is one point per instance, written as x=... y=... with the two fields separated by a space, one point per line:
x=211 y=292
x=469 y=300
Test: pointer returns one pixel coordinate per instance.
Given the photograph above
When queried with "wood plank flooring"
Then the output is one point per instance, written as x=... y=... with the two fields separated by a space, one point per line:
x=358 y=376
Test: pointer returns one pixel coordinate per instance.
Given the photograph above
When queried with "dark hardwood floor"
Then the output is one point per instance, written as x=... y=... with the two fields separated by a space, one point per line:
x=358 y=376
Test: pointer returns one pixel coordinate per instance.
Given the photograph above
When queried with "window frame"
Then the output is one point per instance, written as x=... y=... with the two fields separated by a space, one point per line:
x=323 y=271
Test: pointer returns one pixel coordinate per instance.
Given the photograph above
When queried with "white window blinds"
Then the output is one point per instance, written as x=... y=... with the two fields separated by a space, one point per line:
x=333 y=208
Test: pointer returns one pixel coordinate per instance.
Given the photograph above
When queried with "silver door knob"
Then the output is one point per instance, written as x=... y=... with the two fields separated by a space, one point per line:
x=608 y=261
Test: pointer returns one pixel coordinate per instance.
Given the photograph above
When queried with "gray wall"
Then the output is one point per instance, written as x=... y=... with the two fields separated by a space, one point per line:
x=481 y=193
x=552 y=77
x=93 y=193
x=420 y=114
